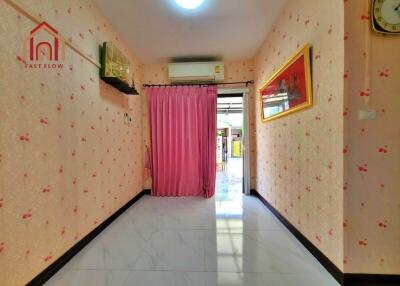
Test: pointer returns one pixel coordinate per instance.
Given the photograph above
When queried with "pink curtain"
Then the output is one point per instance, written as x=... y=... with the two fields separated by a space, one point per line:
x=183 y=140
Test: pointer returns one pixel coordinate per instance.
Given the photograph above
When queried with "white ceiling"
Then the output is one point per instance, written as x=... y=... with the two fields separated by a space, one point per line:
x=157 y=30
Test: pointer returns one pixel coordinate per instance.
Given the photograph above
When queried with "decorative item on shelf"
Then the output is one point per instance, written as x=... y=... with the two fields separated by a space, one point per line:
x=116 y=69
x=386 y=16
x=289 y=89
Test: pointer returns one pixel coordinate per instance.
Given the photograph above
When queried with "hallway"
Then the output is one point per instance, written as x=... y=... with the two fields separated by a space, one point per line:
x=106 y=102
x=230 y=239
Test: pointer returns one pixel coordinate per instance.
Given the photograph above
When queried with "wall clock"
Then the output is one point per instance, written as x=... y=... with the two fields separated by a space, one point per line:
x=386 y=16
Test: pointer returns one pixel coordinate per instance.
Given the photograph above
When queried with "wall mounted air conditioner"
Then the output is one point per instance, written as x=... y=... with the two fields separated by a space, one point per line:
x=196 y=72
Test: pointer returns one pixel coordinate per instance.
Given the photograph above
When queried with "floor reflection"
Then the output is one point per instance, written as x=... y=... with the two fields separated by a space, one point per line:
x=229 y=186
x=229 y=217
x=227 y=240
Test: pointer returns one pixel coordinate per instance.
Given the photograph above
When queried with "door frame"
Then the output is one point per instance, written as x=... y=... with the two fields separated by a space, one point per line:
x=244 y=93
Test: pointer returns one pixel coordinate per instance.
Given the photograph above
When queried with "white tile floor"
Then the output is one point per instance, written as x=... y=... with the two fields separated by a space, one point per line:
x=228 y=240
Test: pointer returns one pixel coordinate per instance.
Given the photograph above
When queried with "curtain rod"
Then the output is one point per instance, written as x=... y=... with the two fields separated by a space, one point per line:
x=199 y=84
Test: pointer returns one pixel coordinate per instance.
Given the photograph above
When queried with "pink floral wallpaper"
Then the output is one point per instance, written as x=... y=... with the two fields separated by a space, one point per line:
x=67 y=160
x=334 y=176
x=371 y=147
x=299 y=157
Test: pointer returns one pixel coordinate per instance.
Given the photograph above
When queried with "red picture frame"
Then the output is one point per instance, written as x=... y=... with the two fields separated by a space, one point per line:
x=289 y=89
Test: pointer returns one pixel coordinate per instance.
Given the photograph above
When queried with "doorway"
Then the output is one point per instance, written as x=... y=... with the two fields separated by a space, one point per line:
x=230 y=145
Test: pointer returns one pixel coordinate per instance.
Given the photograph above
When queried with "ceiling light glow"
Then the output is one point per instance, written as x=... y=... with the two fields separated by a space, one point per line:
x=189 y=4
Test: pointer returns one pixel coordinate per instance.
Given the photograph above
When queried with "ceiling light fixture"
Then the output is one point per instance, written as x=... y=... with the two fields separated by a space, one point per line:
x=189 y=4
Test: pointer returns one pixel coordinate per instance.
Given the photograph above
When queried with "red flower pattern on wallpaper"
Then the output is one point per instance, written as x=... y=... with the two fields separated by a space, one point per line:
x=62 y=146
x=77 y=106
x=272 y=157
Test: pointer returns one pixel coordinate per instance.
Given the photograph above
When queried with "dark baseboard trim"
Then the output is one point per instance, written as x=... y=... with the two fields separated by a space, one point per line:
x=47 y=273
x=346 y=279
x=354 y=279
x=325 y=261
